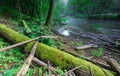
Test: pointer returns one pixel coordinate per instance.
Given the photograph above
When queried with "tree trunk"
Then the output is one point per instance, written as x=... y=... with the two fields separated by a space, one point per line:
x=50 y=12
x=57 y=57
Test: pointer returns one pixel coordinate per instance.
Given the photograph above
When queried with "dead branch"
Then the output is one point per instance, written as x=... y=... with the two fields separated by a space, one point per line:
x=90 y=71
x=48 y=68
x=27 y=62
x=18 y=44
x=25 y=42
x=54 y=37
x=39 y=62
x=99 y=63
x=113 y=64
x=87 y=47
x=71 y=71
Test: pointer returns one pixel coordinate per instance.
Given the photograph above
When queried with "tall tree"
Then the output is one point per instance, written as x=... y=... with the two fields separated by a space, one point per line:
x=50 y=13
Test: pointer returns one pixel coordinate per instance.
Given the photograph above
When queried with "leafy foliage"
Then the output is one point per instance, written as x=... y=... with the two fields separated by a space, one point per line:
x=98 y=52
x=12 y=60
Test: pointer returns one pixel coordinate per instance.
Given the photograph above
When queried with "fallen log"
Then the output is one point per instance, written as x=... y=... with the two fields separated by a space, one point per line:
x=28 y=61
x=113 y=64
x=87 y=47
x=28 y=30
x=57 y=57
x=24 y=42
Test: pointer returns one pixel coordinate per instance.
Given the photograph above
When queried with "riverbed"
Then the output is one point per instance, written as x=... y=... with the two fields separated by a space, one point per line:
x=104 y=33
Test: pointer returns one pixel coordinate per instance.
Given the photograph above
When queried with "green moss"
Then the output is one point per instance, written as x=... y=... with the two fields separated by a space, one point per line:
x=58 y=57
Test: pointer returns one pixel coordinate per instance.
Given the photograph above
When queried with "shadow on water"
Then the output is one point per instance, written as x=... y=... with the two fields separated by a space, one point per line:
x=101 y=32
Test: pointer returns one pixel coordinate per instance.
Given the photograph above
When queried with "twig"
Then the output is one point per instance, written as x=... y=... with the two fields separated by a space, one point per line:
x=27 y=62
x=67 y=73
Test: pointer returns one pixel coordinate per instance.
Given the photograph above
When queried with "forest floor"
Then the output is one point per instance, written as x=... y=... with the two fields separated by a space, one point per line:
x=13 y=60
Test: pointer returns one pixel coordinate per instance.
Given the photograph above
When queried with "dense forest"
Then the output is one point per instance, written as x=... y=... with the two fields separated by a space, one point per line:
x=59 y=38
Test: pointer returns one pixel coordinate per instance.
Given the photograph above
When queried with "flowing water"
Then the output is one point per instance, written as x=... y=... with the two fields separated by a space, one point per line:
x=101 y=32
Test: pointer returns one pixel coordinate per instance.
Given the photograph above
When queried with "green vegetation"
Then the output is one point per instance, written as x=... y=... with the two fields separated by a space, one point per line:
x=58 y=57
x=12 y=60
x=98 y=52
x=38 y=17
x=96 y=9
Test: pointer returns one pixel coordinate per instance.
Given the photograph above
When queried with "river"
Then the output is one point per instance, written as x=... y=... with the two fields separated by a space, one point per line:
x=101 y=32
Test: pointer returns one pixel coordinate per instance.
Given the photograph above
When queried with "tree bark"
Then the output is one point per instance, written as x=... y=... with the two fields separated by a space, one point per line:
x=50 y=13
x=57 y=57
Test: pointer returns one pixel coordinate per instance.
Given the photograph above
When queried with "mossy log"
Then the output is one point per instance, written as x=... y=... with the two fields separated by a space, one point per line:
x=26 y=27
x=57 y=57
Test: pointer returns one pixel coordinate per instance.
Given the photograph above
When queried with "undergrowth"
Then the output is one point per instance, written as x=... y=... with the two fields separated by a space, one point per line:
x=12 y=60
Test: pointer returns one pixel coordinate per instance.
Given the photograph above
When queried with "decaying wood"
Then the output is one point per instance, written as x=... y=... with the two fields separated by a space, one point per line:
x=113 y=64
x=87 y=47
x=57 y=57
x=71 y=71
x=27 y=62
x=25 y=42
x=99 y=63
x=18 y=44
x=26 y=27
x=51 y=37
x=90 y=71
x=39 y=62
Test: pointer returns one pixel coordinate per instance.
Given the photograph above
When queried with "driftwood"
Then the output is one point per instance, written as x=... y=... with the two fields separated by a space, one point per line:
x=87 y=47
x=113 y=64
x=28 y=61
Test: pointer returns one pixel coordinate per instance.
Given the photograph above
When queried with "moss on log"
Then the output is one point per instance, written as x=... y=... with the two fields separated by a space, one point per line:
x=57 y=57
x=26 y=27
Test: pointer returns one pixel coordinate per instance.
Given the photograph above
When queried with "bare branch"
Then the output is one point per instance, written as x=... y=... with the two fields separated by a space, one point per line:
x=27 y=62
x=18 y=44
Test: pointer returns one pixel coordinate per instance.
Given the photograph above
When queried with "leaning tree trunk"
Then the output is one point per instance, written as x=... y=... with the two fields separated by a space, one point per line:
x=57 y=57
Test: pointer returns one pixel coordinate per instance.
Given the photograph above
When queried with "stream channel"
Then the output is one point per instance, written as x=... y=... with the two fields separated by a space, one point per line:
x=104 y=33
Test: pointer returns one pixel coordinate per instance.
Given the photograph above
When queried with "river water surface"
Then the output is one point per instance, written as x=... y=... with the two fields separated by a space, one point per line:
x=101 y=32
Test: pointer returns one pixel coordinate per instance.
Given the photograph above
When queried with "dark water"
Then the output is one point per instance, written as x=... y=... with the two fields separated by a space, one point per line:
x=101 y=32
x=91 y=29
